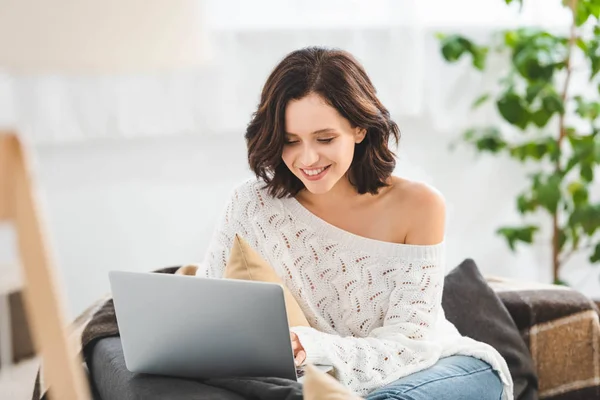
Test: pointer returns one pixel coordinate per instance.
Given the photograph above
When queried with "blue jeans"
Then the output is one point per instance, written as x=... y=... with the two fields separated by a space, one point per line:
x=452 y=378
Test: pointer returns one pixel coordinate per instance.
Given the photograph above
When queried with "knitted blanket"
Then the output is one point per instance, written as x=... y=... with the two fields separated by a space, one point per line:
x=561 y=329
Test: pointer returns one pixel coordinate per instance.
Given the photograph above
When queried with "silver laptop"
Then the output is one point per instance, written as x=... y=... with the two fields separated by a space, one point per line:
x=195 y=327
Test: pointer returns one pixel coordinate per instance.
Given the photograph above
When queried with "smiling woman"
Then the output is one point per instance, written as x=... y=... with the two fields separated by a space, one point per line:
x=328 y=123
x=361 y=250
x=318 y=157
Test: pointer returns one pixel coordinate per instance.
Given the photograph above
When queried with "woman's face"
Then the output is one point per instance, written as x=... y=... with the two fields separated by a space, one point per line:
x=319 y=143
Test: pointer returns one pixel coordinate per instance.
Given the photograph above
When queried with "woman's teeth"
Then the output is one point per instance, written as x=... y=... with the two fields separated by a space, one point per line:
x=313 y=172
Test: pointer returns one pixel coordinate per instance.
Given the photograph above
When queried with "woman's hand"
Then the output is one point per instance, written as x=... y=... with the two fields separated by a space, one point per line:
x=299 y=352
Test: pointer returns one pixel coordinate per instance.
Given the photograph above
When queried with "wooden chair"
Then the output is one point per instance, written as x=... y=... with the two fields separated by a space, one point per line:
x=62 y=369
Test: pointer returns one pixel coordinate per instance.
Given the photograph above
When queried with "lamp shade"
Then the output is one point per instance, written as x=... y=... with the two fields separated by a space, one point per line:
x=91 y=36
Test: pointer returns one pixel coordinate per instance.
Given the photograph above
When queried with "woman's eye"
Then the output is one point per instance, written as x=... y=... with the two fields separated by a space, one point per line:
x=290 y=142
x=325 y=140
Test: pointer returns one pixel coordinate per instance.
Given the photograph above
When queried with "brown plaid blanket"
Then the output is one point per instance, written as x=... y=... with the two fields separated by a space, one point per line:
x=560 y=326
x=561 y=329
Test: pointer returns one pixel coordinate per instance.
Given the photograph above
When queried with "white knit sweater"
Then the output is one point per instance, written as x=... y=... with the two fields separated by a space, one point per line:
x=374 y=307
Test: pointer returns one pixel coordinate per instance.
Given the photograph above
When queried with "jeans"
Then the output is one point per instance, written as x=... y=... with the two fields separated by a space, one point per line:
x=452 y=378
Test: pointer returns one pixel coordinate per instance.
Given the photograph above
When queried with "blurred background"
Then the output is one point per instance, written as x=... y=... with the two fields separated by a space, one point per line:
x=134 y=169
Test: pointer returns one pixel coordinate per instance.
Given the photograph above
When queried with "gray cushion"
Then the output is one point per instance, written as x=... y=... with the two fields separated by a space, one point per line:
x=477 y=312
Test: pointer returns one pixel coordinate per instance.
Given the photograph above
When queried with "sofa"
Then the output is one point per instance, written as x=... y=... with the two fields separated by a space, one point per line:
x=549 y=335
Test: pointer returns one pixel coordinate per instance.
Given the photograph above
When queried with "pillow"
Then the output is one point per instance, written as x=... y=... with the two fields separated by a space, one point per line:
x=477 y=312
x=245 y=263
x=318 y=385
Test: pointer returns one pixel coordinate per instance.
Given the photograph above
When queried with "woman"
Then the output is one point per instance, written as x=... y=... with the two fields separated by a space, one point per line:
x=361 y=250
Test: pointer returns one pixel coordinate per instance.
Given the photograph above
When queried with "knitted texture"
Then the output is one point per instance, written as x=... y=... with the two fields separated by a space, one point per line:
x=374 y=307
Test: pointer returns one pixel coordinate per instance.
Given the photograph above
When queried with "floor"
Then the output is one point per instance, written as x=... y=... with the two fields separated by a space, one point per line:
x=16 y=382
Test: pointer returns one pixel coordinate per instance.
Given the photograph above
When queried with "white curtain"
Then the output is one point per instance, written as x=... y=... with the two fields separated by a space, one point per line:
x=394 y=39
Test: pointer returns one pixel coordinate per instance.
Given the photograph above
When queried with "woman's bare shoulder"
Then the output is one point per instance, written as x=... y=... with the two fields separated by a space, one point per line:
x=422 y=207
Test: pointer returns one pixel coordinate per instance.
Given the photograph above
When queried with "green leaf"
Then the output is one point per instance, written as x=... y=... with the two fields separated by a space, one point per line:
x=546 y=191
x=469 y=134
x=582 y=44
x=585 y=151
x=511 y=38
x=560 y=282
x=486 y=139
x=480 y=100
x=587 y=109
x=552 y=103
x=587 y=216
x=575 y=236
x=479 y=55
x=595 y=257
x=533 y=90
x=585 y=9
x=513 y=109
x=593 y=54
x=541 y=117
x=578 y=192
x=573 y=161
x=535 y=150
x=562 y=239
x=537 y=54
x=454 y=46
x=514 y=235
x=515 y=1
x=526 y=204
x=586 y=172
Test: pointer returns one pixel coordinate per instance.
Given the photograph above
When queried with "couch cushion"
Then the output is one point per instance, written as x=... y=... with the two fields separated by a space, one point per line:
x=246 y=264
x=477 y=312
x=113 y=381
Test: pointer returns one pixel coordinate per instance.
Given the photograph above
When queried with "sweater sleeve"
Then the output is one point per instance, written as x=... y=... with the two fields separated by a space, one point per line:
x=404 y=344
x=234 y=219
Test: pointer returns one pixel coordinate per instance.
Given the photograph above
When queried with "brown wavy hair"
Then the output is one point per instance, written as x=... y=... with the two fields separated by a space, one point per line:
x=337 y=77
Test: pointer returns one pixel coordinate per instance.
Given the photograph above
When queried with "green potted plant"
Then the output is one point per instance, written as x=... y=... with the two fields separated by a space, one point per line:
x=546 y=125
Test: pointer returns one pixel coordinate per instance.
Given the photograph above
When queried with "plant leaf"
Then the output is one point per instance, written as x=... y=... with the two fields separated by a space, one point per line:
x=541 y=117
x=586 y=216
x=518 y=234
x=578 y=192
x=595 y=256
x=546 y=190
x=526 y=204
x=480 y=100
x=552 y=103
x=533 y=90
x=513 y=110
x=586 y=172
x=562 y=239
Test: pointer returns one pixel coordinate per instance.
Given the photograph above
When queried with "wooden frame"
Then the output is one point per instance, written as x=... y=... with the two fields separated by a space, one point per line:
x=62 y=370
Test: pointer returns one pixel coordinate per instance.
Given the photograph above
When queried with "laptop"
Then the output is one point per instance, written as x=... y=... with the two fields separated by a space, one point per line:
x=194 y=327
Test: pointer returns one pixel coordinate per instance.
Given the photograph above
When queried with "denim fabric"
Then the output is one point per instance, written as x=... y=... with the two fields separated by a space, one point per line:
x=452 y=378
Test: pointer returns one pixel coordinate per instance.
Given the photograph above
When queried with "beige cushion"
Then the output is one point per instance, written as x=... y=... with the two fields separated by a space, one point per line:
x=187 y=270
x=321 y=386
x=245 y=263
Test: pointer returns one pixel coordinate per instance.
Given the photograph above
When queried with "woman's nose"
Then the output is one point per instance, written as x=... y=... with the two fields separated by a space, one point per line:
x=309 y=156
